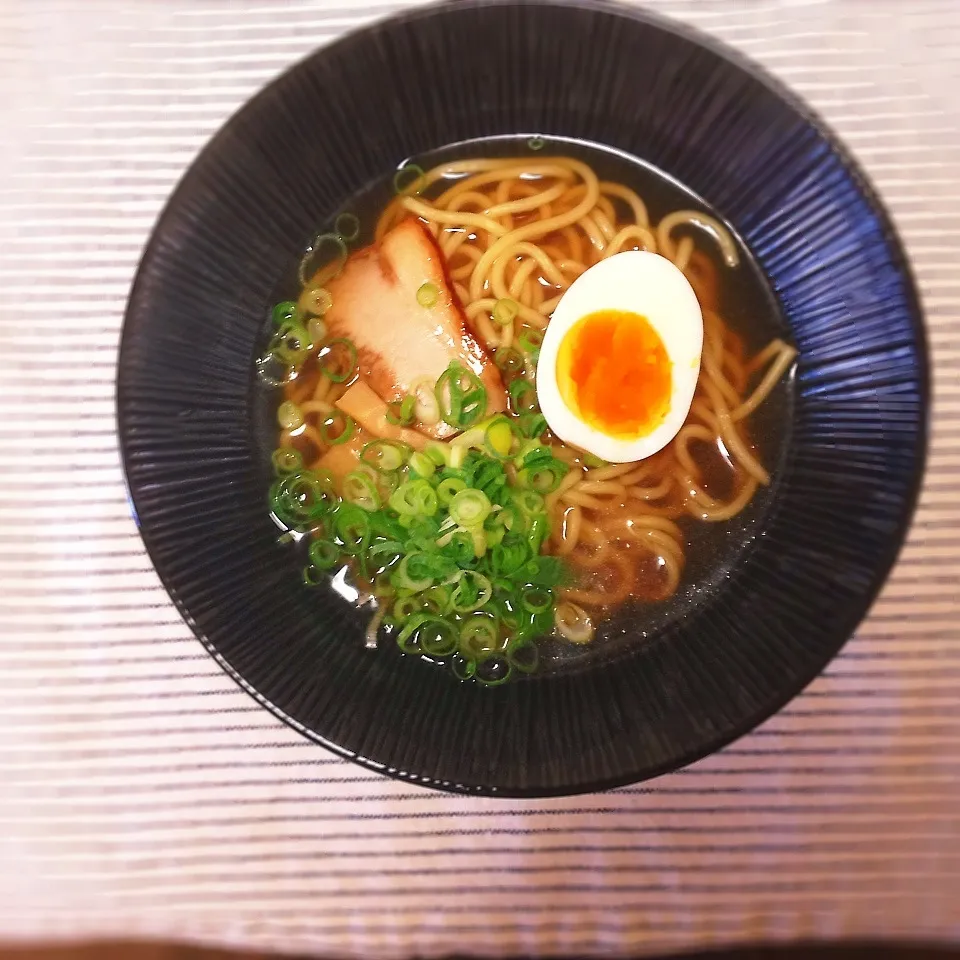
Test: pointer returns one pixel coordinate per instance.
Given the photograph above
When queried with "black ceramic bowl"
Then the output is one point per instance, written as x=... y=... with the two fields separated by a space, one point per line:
x=792 y=585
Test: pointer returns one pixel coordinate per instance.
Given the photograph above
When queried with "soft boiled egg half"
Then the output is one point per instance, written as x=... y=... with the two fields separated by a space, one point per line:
x=620 y=358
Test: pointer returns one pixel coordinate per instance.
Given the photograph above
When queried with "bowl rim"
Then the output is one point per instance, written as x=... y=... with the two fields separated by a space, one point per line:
x=894 y=248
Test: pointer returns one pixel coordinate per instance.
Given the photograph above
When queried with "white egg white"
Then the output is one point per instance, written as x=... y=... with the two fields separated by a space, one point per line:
x=642 y=283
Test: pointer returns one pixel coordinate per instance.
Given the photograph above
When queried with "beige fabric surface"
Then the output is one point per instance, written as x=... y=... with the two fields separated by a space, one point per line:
x=142 y=793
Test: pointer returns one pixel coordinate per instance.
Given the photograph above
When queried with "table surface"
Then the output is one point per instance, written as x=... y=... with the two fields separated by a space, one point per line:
x=142 y=793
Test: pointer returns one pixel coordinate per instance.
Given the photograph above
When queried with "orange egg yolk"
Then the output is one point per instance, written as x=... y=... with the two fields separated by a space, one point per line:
x=614 y=373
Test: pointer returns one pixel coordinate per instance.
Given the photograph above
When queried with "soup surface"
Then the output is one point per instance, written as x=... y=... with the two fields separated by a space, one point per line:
x=414 y=467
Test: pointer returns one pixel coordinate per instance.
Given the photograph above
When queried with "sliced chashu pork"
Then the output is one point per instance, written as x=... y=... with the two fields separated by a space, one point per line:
x=399 y=341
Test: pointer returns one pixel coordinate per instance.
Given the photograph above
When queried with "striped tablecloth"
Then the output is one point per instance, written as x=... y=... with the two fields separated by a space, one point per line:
x=142 y=793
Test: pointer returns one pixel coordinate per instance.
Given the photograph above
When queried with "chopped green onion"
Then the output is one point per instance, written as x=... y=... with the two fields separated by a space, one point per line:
x=327 y=247
x=400 y=412
x=536 y=601
x=529 y=501
x=478 y=637
x=289 y=416
x=406 y=607
x=509 y=360
x=469 y=508
x=408 y=180
x=433 y=635
x=359 y=488
x=530 y=340
x=317 y=330
x=347 y=227
x=493 y=671
x=542 y=474
x=316 y=300
x=286 y=460
x=414 y=498
x=523 y=395
x=447 y=489
x=532 y=425
x=291 y=343
x=461 y=396
x=323 y=554
x=462 y=668
x=505 y=311
x=471 y=591
x=589 y=460
x=536 y=143
x=406 y=579
x=284 y=312
x=352 y=525
x=301 y=499
x=338 y=360
x=428 y=294
x=437 y=452
x=499 y=437
x=523 y=655
x=336 y=428
x=384 y=455
x=421 y=464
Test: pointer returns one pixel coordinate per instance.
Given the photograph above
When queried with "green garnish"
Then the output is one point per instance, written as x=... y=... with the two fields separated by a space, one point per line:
x=408 y=180
x=337 y=360
x=326 y=248
x=448 y=538
x=505 y=311
x=347 y=227
x=461 y=396
x=428 y=294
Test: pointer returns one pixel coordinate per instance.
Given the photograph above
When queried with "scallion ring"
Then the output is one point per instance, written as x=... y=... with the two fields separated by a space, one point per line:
x=509 y=360
x=316 y=300
x=523 y=655
x=337 y=360
x=408 y=180
x=505 y=311
x=414 y=498
x=317 y=329
x=384 y=455
x=401 y=412
x=326 y=248
x=323 y=554
x=289 y=416
x=358 y=488
x=493 y=671
x=533 y=425
x=461 y=396
x=347 y=227
x=471 y=591
x=530 y=340
x=284 y=312
x=352 y=525
x=447 y=489
x=286 y=460
x=498 y=437
x=536 y=601
x=469 y=508
x=421 y=464
x=428 y=294
x=523 y=396
x=336 y=428
x=479 y=638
